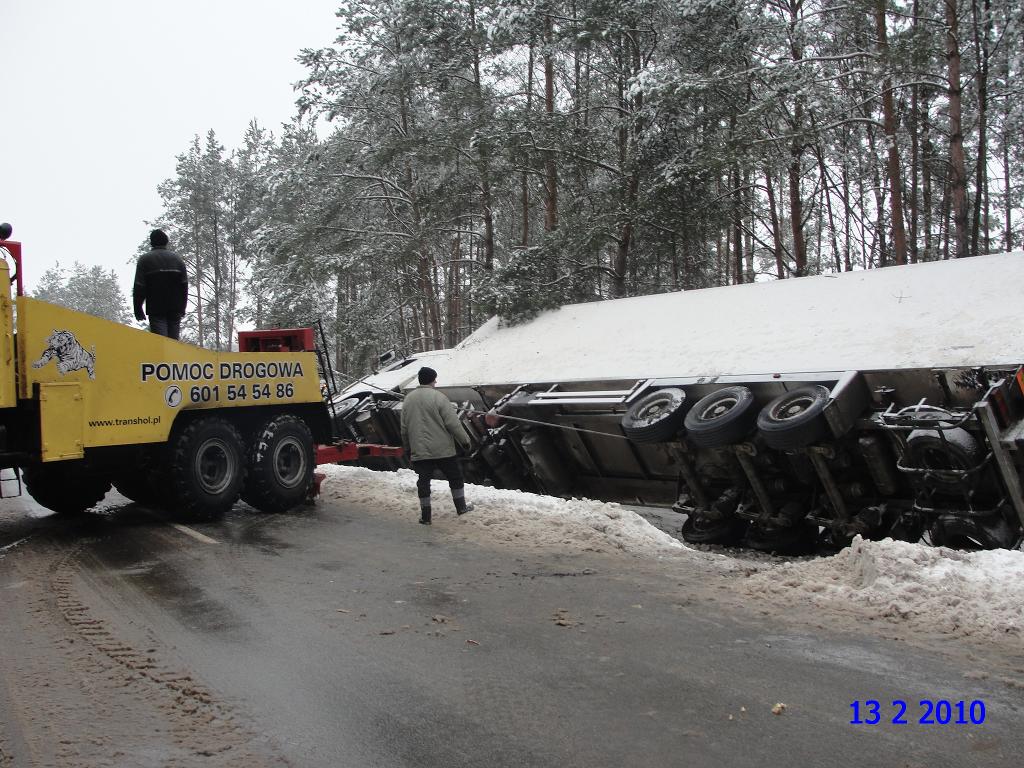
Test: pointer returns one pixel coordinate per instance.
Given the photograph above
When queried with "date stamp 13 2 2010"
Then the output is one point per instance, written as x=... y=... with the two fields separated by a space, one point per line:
x=929 y=712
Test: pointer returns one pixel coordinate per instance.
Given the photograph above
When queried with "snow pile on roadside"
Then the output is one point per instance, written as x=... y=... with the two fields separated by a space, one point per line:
x=978 y=594
x=506 y=516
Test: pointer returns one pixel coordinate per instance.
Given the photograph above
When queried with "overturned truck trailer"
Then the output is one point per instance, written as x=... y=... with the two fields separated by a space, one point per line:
x=784 y=415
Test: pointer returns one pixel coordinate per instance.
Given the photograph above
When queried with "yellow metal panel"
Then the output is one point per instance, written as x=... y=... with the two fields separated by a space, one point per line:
x=134 y=383
x=8 y=393
x=60 y=416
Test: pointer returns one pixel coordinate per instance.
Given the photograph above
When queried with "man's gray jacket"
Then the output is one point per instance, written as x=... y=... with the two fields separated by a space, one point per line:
x=430 y=428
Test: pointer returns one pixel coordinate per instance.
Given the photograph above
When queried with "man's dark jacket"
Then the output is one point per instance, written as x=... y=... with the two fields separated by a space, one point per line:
x=161 y=281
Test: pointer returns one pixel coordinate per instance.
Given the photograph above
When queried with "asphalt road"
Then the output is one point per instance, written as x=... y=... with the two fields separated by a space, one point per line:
x=340 y=637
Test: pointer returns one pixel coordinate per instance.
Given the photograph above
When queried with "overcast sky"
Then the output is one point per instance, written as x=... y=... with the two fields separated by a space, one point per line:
x=99 y=97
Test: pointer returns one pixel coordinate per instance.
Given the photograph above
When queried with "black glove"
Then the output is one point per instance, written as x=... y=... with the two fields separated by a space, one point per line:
x=140 y=315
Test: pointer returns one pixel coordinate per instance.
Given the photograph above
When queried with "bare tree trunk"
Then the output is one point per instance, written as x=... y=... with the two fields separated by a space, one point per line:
x=796 y=208
x=899 y=234
x=826 y=191
x=981 y=45
x=847 y=220
x=914 y=235
x=432 y=322
x=482 y=151
x=550 y=171
x=927 y=195
x=218 y=297
x=958 y=173
x=525 y=183
x=197 y=245
x=1007 y=203
x=773 y=212
x=737 y=226
x=879 y=190
x=629 y=64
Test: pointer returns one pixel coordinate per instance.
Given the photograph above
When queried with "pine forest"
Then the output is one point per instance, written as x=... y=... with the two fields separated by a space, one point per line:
x=454 y=159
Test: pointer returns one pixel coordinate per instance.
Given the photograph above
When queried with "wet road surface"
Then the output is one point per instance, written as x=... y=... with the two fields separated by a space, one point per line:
x=339 y=637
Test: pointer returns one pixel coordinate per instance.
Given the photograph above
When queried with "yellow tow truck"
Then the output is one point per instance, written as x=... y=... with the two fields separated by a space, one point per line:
x=86 y=403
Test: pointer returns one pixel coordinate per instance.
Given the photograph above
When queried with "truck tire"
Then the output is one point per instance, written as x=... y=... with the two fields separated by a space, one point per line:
x=656 y=417
x=721 y=418
x=726 y=531
x=795 y=419
x=943 y=450
x=969 y=533
x=280 y=465
x=138 y=487
x=66 y=488
x=207 y=469
x=801 y=538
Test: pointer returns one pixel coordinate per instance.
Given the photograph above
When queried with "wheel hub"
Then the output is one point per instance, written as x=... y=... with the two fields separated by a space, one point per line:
x=720 y=408
x=214 y=466
x=289 y=462
x=793 y=408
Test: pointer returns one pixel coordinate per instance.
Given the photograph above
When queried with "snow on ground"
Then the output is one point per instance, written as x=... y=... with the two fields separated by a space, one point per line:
x=505 y=516
x=978 y=594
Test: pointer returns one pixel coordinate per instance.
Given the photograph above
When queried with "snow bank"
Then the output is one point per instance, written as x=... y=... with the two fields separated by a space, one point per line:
x=960 y=593
x=939 y=314
x=505 y=516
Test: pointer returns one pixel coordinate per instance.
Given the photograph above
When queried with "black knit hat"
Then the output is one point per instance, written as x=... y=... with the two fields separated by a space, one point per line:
x=158 y=238
x=427 y=375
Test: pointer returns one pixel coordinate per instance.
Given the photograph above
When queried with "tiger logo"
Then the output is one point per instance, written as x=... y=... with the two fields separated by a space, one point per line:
x=63 y=347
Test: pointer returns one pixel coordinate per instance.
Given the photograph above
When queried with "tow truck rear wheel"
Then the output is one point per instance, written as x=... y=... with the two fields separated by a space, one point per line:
x=138 y=487
x=280 y=462
x=67 y=488
x=207 y=468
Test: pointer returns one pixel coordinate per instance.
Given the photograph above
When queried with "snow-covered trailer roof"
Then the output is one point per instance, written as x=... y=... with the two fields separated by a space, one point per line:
x=400 y=375
x=964 y=312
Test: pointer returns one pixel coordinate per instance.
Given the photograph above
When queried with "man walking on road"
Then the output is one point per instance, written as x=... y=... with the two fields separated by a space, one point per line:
x=430 y=430
x=161 y=281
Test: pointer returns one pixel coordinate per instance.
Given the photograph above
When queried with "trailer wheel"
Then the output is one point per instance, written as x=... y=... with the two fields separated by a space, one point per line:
x=801 y=538
x=655 y=418
x=907 y=527
x=721 y=418
x=207 y=468
x=795 y=419
x=281 y=462
x=64 y=488
x=943 y=450
x=972 y=533
x=700 y=530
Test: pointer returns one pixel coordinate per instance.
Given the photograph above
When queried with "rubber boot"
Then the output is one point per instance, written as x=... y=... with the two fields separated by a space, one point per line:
x=424 y=510
x=461 y=505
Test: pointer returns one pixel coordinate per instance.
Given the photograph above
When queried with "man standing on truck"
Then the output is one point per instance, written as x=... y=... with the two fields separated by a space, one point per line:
x=430 y=430
x=161 y=281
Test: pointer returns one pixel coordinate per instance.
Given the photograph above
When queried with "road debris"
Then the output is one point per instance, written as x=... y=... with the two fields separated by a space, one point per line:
x=561 y=618
x=779 y=708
